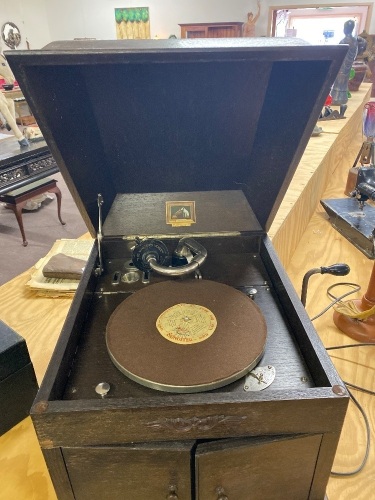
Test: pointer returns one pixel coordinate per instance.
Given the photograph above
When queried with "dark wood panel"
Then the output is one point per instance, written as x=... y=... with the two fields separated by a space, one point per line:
x=57 y=469
x=197 y=128
x=324 y=464
x=206 y=416
x=257 y=469
x=136 y=472
x=17 y=394
x=145 y=214
x=139 y=413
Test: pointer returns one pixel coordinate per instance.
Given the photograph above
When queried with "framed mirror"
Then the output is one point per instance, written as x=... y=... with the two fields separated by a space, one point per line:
x=11 y=35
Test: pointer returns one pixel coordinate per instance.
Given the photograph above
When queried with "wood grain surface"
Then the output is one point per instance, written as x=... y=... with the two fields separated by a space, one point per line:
x=336 y=147
x=322 y=245
x=23 y=473
x=318 y=244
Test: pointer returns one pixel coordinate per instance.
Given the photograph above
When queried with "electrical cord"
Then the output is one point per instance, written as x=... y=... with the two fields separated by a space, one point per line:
x=355 y=288
x=368 y=440
x=363 y=344
x=359 y=388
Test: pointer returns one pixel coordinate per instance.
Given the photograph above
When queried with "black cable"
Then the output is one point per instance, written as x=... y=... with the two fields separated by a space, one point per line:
x=347 y=384
x=368 y=440
x=364 y=344
x=362 y=389
x=337 y=299
x=359 y=388
x=354 y=285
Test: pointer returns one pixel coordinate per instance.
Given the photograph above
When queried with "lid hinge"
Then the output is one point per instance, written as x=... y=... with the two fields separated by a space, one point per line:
x=99 y=268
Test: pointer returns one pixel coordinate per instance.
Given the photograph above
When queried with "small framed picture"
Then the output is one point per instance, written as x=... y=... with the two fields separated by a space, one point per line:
x=180 y=213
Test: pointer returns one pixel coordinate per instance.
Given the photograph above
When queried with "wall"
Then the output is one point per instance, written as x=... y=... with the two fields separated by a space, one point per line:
x=95 y=18
x=31 y=19
x=42 y=21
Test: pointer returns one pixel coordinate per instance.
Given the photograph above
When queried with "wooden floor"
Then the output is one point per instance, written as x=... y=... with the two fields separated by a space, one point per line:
x=307 y=242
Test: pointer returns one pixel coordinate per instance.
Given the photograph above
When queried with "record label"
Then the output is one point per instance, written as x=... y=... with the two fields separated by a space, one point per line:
x=186 y=323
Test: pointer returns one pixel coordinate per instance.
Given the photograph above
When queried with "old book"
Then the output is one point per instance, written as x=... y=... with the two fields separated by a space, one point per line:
x=64 y=266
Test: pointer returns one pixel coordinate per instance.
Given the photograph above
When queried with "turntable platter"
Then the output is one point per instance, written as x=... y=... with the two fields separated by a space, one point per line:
x=186 y=336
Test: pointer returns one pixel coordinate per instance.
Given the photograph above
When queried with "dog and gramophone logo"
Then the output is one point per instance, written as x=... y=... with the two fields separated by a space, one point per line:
x=180 y=213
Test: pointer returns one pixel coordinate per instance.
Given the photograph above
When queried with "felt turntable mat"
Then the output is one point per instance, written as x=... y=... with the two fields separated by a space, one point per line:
x=139 y=350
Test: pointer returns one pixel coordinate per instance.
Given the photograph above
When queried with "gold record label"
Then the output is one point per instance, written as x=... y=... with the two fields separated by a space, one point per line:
x=186 y=324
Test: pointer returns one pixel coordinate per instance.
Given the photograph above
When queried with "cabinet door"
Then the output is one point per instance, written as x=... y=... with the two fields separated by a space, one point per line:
x=194 y=32
x=224 y=31
x=259 y=469
x=138 y=472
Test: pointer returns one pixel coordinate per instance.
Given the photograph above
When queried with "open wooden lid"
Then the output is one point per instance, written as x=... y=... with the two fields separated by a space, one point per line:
x=156 y=116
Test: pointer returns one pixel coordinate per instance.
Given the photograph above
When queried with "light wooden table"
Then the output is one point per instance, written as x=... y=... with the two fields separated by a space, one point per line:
x=313 y=242
x=337 y=147
x=322 y=245
x=305 y=239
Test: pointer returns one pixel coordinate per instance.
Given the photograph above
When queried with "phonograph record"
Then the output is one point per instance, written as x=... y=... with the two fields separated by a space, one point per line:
x=187 y=367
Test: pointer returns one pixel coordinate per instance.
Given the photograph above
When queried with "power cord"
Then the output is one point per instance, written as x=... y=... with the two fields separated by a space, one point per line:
x=359 y=388
x=355 y=288
x=364 y=344
x=360 y=408
x=335 y=300
x=368 y=440
x=345 y=346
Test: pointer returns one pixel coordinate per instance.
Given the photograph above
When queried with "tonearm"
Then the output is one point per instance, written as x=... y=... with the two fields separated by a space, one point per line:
x=152 y=255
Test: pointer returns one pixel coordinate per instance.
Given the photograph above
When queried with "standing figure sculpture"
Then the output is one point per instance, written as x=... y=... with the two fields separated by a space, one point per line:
x=339 y=91
x=7 y=105
x=248 y=29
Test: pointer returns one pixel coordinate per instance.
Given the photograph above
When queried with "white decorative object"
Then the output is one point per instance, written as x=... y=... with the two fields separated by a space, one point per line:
x=7 y=105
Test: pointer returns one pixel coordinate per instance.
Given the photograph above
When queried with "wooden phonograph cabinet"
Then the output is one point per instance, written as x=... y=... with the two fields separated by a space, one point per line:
x=187 y=367
x=212 y=30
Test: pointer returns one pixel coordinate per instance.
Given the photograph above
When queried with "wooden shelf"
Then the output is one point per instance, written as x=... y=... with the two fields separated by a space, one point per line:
x=211 y=30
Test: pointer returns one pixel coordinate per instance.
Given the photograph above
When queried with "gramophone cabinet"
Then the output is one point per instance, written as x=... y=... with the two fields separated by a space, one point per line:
x=137 y=127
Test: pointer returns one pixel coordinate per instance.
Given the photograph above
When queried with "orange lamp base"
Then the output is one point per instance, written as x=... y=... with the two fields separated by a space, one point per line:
x=363 y=331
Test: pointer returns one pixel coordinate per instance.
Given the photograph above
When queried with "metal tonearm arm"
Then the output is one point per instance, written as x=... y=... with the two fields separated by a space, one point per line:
x=200 y=254
x=152 y=254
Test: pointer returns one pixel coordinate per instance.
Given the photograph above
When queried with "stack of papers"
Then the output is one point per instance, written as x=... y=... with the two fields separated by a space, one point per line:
x=57 y=287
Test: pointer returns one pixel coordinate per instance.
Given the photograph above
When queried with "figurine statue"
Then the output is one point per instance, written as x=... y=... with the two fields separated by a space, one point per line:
x=248 y=29
x=7 y=105
x=339 y=91
x=360 y=65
